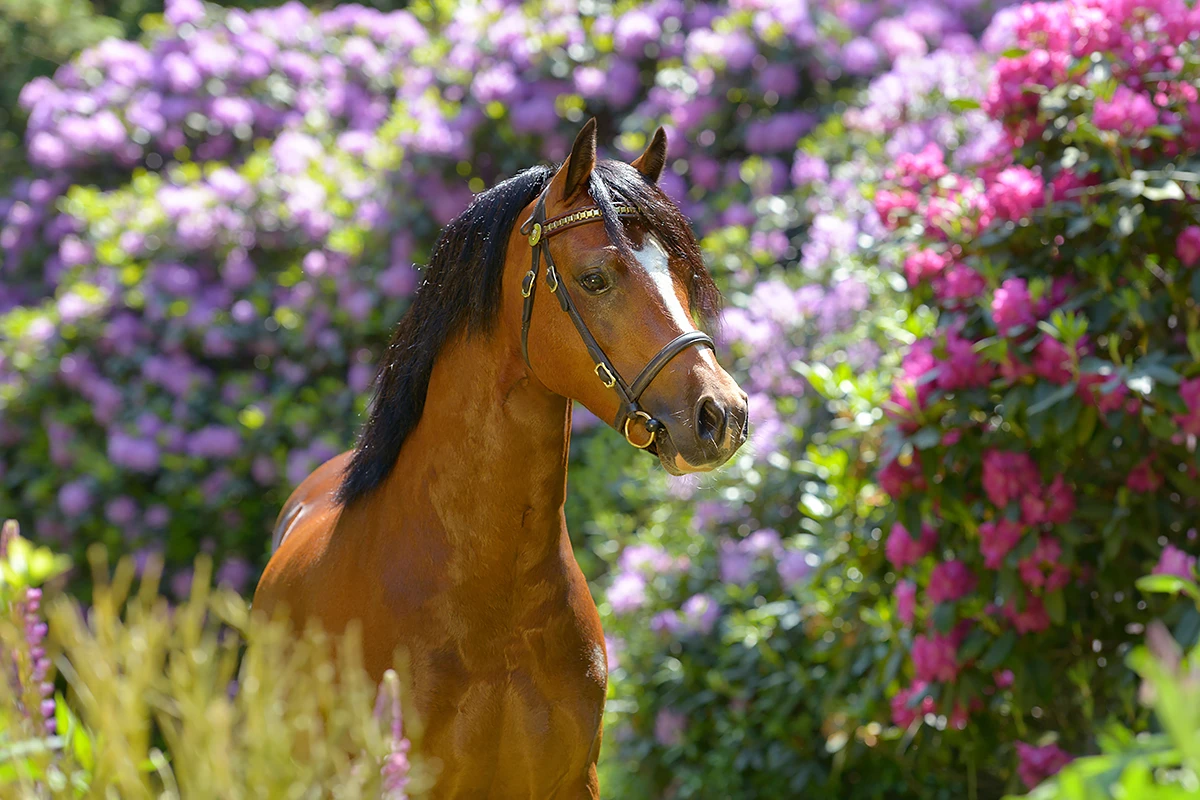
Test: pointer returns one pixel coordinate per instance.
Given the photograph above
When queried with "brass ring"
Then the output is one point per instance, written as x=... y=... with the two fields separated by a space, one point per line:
x=653 y=434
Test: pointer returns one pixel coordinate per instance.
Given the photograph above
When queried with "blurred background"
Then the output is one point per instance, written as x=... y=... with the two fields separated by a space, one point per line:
x=212 y=215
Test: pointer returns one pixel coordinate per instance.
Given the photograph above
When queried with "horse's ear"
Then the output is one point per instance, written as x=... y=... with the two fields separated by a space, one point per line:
x=654 y=159
x=580 y=163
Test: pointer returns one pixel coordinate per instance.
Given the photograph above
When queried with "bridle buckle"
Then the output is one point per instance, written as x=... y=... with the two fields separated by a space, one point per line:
x=527 y=284
x=611 y=380
x=552 y=279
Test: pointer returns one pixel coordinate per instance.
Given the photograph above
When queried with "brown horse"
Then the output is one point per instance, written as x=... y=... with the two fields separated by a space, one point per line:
x=443 y=530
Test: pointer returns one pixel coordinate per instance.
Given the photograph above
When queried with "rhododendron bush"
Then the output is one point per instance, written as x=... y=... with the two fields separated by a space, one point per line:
x=1042 y=445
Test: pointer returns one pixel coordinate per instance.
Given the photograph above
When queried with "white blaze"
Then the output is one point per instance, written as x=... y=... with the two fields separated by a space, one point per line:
x=655 y=261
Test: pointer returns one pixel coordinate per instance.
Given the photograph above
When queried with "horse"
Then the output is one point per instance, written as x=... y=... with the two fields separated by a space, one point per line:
x=442 y=532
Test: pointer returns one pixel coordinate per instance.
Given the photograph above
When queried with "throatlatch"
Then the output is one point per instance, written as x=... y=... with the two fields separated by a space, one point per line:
x=539 y=229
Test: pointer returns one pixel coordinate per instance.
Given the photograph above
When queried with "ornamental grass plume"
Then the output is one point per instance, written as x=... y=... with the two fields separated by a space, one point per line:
x=200 y=699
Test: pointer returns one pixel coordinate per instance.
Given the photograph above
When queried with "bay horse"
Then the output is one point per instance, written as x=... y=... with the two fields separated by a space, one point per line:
x=443 y=532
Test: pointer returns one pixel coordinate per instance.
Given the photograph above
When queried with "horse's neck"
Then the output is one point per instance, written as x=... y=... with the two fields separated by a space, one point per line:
x=487 y=464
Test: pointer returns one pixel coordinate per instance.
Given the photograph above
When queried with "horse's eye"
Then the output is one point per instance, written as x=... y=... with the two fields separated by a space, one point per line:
x=595 y=282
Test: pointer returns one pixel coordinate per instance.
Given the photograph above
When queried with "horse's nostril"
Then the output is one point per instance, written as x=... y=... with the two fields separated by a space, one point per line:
x=711 y=419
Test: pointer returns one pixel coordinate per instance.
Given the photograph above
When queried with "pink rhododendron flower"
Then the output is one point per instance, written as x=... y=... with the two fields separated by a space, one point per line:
x=891 y=206
x=959 y=282
x=1187 y=246
x=1143 y=478
x=1067 y=183
x=906 y=601
x=1007 y=476
x=902 y=550
x=1036 y=764
x=963 y=367
x=1189 y=392
x=1041 y=568
x=1128 y=112
x=914 y=170
x=1052 y=361
x=1015 y=193
x=911 y=391
x=1032 y=618
x=1012 y=307
x=897 y=480
x=1003 y=678
x=1055 y=505
x=996 y=539
x=1174 y=561
x=950 y=581
x=1102 y=391
x=935 y=658
x=924 y=265
x=1060 y=502
x=902 y=715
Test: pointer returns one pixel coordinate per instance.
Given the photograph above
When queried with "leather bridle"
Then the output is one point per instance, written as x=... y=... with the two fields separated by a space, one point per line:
x=539 y=229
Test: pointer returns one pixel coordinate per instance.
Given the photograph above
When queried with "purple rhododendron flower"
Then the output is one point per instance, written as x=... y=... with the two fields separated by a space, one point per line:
x=795 y=567
x=1174 y=561
x=670 y=727
x=627 y=592
x=699 y=613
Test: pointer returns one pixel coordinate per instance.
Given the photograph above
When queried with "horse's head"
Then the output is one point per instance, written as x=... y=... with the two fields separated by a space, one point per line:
x=613 y=284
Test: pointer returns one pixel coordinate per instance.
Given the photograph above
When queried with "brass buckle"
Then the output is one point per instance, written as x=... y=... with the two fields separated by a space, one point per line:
x=612 y=379
x=527 y=284
x=535 y=235
x=552 y=279
x=653 y=434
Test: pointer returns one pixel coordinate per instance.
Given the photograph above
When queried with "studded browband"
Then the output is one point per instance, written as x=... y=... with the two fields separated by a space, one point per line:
x=539 y=230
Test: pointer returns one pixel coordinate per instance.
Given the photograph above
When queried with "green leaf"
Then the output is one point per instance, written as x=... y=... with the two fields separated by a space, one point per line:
x=1168 y=584
x=974 y=643
x=1056 y=607
x=1087 y=425
x=926 y=438
x=1052 y=399
x=944 y=617
x=999 y=651
x=964 y=104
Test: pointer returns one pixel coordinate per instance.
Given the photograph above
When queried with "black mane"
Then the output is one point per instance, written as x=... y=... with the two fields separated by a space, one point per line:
x=461 y=288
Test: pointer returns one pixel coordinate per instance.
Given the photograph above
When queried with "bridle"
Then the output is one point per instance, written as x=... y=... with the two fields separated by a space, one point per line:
x=539 y=229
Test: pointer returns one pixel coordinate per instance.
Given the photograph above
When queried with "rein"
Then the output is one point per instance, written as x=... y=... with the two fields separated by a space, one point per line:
x=539 y=229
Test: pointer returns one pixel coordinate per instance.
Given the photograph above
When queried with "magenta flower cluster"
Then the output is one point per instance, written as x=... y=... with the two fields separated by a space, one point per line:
x=1049 y=459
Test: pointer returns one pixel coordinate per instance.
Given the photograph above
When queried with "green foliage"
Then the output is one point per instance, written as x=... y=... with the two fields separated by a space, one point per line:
x=1159 y=765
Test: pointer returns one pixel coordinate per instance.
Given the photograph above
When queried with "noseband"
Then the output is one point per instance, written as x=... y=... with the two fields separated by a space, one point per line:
x=539 y=229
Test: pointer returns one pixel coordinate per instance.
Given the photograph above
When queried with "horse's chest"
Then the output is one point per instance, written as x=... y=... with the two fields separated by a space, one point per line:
x=514 y=724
